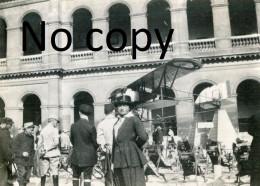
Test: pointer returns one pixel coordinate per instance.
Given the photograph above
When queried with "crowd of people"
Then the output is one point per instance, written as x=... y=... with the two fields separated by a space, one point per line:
x=120 y=135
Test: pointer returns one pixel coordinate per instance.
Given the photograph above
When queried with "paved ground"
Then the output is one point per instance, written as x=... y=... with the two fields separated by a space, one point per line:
x=174 y=178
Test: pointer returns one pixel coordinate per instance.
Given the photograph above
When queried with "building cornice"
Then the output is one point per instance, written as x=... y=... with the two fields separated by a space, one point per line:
x=15 y=3
x=62 y=72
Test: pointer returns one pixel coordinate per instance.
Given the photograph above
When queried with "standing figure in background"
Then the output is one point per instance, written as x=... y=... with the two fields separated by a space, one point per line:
x=129 y=137
x=84 y=140
x=5 y=150
x=254 y=155
x=105 y=138
x=23 y=148
x=50 y=153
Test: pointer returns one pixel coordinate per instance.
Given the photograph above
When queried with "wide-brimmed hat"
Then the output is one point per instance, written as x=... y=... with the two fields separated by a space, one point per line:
x=124 y=99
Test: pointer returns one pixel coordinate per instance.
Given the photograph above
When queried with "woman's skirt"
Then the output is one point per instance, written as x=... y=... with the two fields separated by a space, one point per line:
x=129 y=176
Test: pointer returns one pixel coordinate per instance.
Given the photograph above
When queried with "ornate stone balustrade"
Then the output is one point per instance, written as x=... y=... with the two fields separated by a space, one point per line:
x=247 y=40
x=156 y=49
x=78 y=56
x=32 y=59
x=127 y=51
x=3 y=63
x=202 y=44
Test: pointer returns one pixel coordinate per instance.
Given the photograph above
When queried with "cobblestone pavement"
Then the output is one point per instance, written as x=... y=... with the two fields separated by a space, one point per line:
x=173 y=178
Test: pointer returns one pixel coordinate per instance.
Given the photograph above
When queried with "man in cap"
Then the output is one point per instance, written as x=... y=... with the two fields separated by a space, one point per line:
x=23 y=148
x=50 y=153
x=105 y=135
x=84 y=154
x=5 y=149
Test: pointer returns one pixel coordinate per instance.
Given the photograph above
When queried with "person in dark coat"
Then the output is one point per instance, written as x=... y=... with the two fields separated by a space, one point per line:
x=23 y=148
x=84 y=140
x=129 y=136
x=254 y=155
x=6 y=155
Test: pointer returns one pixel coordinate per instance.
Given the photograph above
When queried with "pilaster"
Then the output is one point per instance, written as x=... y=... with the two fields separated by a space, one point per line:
x=180 y=25
x=221 y=22
x=100 y=39
x=139 y=21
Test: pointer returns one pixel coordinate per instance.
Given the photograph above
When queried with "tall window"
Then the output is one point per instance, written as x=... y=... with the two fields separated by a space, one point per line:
x=242 y=17
x=3 y=39
x=82 y=24
x=119 y=19
x=200 y=21
x=158 y=17
x=35 y=22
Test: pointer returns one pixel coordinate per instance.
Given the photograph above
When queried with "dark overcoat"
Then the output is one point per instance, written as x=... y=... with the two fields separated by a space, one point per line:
x=5 y=146
x=84 y=140
x=127 y=145
x=23 y=143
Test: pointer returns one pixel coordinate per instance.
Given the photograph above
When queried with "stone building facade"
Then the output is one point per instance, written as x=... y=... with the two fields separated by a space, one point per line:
x=35 y=85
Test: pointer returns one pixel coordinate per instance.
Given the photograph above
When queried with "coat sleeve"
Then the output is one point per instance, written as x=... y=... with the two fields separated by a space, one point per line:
x=94 y=136
x=5 y=141
x=100 y=135
x=16 y=146
x=142 y=135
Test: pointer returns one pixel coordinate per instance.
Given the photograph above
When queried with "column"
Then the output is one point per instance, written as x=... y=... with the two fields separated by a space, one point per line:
x=65 y=55
x=44 y=115
x=139 y=21
x=53 y=98
x=16 y=114
x=180 y=25
x=99 y=114
x=185 y=117
x=14 y=47
x=221 y=22
x=257 y=10
x=66 y=116
x=100 y=39
x=50 y=55
x=230 y=105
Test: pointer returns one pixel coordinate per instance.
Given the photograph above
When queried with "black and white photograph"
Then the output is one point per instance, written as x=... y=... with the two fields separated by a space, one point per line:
x=129 y=92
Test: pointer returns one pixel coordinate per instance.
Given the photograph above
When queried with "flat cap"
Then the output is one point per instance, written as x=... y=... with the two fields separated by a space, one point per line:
x=85 y=109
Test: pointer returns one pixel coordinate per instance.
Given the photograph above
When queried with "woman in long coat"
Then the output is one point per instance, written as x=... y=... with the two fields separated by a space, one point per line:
x=129 y=137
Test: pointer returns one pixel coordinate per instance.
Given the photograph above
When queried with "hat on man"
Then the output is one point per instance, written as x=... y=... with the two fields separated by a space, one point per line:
x=7 y=121
x=28 y=125
x=124 y=99
x=85 y=109
x=109 y=108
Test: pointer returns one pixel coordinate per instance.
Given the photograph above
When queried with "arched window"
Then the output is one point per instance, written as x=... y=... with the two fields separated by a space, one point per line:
x=242 y=17
x=158 y=17
x=3 y=38
x=119 y=19
x=200 y=21
x=82 y=24
x=35 y=22
x=248 y=101
x=202 y=115
x=32 y=109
